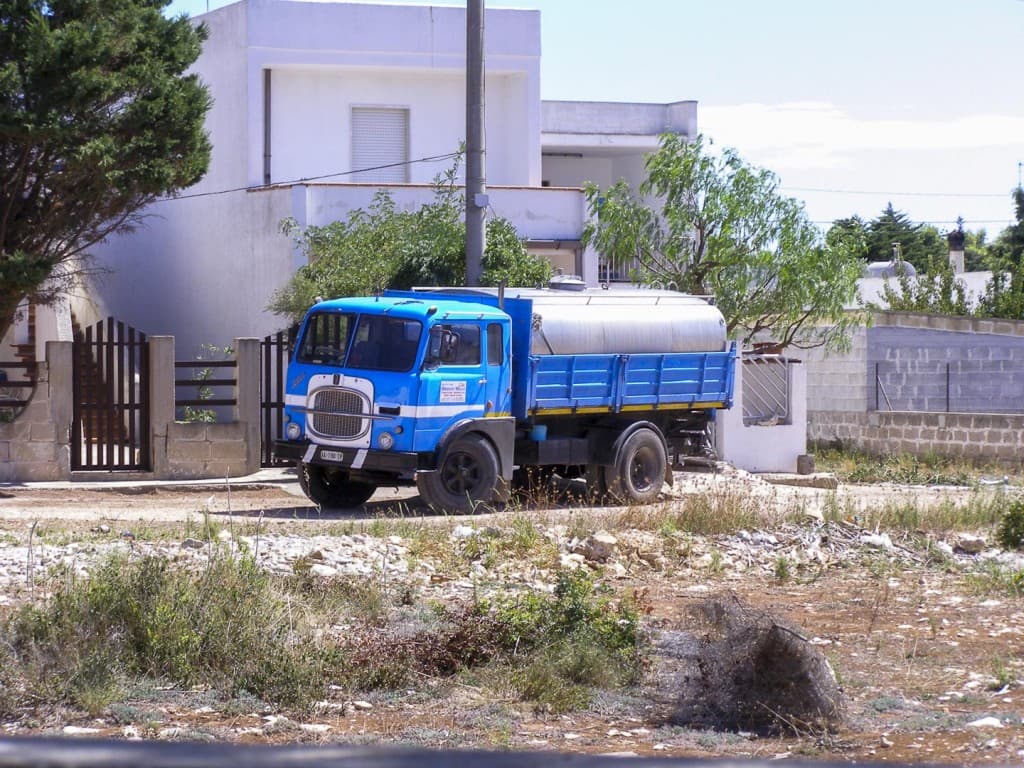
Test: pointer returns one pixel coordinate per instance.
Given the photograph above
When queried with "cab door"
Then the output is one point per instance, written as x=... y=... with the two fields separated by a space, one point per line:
x=498 y=368
x=453 y=384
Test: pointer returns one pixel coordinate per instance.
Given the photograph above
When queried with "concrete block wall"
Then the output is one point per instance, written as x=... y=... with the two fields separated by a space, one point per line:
x=974 y=436
x=838 y=382
x=986 y=388
x=954 y=369
x=199 y=450
x=35 y=446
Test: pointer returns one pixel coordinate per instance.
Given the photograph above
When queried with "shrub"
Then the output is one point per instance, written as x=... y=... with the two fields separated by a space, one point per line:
x=1011 y=526
x=226 y=626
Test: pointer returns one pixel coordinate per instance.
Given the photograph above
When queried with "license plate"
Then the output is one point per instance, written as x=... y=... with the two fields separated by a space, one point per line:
x=328 y=455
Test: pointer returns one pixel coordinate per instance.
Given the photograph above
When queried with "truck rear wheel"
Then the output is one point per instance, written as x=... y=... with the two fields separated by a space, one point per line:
x=639 y=470
x=467 y=476
x=331 y=487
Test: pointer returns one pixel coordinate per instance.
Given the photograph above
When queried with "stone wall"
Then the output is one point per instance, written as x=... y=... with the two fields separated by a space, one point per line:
x=976 y=436
x=36 y=445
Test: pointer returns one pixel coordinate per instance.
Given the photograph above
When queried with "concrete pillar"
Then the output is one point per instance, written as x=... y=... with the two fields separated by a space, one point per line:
x=60 y=374
x=247 y=398
x=161 y=400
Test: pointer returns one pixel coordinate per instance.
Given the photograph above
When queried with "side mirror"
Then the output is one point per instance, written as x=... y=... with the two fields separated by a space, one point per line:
x=442 y=347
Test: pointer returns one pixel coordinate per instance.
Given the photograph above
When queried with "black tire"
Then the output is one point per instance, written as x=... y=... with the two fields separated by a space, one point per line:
x=639 y=470
x=331 y=488
x=466 y=477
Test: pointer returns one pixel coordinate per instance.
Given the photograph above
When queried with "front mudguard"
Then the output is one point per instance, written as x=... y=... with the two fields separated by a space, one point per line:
x=499 y=431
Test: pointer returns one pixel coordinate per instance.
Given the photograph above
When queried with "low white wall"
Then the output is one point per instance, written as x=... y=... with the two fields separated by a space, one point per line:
x=770 y=448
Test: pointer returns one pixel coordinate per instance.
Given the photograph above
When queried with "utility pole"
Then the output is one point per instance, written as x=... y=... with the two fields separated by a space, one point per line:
x=476 y=176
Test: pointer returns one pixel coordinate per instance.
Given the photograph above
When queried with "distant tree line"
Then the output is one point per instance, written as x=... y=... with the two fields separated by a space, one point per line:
x=893 y=235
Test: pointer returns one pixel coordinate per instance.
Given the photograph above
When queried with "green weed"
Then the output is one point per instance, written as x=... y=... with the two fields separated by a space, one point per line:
x=1010 y=534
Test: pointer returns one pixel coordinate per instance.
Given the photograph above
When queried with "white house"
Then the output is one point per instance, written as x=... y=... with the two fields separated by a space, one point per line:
x=307 y=97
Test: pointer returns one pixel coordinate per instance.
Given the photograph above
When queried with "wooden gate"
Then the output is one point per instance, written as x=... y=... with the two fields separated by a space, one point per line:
x=110 y=426
x=274 y=351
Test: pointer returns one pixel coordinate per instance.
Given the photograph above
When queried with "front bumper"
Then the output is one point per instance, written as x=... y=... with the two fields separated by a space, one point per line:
x=353 y=459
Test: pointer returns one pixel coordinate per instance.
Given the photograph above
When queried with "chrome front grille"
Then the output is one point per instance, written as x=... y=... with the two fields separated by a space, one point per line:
x=338 y=413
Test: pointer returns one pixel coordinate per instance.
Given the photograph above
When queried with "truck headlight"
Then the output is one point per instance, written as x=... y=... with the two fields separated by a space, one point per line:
x=386 y=441
x=293 y=431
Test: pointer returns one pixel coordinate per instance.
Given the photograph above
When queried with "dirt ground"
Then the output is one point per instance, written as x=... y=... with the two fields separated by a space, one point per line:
x=931 y=666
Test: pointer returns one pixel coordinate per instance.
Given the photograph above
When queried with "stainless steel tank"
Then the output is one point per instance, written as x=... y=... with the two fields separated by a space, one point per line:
x=633 y=322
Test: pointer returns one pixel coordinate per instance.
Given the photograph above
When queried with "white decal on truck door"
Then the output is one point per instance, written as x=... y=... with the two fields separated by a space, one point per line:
x=453 y=391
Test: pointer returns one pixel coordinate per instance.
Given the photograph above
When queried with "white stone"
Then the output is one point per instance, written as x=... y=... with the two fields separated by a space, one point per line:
x=986 y=722
x=598 y=547
x=971 y=545
x=879 y=540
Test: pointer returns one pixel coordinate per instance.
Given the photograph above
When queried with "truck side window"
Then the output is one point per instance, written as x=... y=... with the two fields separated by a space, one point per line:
x=467 y=351
x=495 y=349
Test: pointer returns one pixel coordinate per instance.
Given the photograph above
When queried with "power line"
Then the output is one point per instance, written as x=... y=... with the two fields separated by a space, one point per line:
x=905 y=194
x=255 y=187
x=1003 y=222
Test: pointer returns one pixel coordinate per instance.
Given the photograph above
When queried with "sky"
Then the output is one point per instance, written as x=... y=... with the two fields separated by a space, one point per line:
x=852 y=104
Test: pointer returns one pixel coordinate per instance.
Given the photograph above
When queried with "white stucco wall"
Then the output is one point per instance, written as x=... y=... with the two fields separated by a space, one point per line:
x=536 y=213
x=311 y=120
x=562 y=171
x=326 y=57
x=770 y=448
x=201 y=269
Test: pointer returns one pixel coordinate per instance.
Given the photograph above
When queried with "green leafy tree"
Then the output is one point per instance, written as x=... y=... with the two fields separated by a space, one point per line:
x=1004 y=293
x=1009 y=245
x=918 y=244
x=721 y=227
x=936 y=291
x=851 y=230
x=97 y=120
x=383 y=247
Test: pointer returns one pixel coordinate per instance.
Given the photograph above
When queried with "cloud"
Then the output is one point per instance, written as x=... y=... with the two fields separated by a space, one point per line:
x=821 y=135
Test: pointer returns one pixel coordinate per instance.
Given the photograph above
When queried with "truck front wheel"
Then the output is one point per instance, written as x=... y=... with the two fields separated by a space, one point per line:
x=331 y=487
x=466 y=477
x=638 y=473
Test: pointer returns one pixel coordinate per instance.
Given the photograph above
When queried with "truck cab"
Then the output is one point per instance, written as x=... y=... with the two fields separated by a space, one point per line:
x=394 y=390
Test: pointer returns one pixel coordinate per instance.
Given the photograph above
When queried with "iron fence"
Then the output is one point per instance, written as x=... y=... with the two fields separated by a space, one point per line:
x=766 y=390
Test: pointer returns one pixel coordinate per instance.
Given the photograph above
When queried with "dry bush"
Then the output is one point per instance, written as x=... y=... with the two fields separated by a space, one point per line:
x=755 y=672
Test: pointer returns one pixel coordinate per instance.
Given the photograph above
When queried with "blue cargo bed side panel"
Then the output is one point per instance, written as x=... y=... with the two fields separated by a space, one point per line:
x=614 y=382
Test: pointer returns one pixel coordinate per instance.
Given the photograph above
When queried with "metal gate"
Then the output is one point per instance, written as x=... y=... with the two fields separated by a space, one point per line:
x=110 y=426
x=274 y=351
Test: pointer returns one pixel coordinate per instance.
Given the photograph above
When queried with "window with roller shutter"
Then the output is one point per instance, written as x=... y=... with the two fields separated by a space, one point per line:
x=380 y=137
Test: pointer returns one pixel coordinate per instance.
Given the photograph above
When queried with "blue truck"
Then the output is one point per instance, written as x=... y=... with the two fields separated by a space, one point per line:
x=465 y=392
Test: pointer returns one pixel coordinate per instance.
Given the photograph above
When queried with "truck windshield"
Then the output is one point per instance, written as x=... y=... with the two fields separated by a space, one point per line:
x=326 y=338
x=384 y=343
x=372 y=342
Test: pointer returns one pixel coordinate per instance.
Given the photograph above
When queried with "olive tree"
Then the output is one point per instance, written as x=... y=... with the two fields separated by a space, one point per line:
x=384 y=247
x=711 y=224
x=98 y=118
